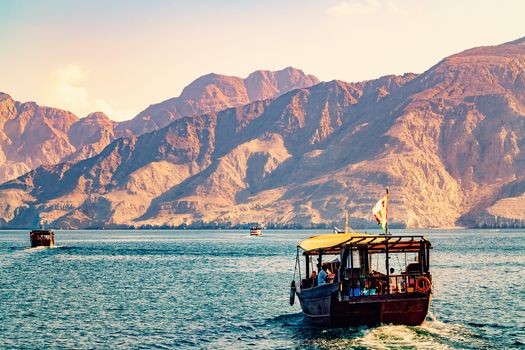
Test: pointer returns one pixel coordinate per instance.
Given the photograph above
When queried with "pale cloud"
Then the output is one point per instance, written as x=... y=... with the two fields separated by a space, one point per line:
x=66 y=89
x=362 y=7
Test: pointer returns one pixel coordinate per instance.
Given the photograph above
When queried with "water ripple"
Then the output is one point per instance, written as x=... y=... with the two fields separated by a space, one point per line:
x=224 y=289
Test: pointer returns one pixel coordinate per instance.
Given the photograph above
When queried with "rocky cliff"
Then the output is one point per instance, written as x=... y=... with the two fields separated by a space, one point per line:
x=215 y=92
x=32 y=135
x=446 y=142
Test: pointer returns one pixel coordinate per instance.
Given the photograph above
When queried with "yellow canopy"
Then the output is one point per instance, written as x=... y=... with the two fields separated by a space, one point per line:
x=328 y=240
x=374 y=242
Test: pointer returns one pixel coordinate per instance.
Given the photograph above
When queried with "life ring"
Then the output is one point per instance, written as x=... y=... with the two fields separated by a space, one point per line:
x=423 y=287
x=292 y=292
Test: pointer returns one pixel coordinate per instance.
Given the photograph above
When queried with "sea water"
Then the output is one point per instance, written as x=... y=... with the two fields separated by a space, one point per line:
x=225 y=289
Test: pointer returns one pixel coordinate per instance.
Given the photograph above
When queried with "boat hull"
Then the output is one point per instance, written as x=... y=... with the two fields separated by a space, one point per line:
x=322 y=305
x=42 y=238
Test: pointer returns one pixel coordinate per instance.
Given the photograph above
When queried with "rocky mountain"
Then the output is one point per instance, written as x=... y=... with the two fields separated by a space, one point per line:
x=32 y=135
x=213 y=93
x=446 y=142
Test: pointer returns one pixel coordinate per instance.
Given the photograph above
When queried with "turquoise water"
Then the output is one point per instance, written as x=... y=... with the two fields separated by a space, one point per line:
x=224 y=289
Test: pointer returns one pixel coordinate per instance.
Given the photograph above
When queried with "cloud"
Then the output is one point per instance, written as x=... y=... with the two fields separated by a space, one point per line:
x=362 y=7
x=66 y=88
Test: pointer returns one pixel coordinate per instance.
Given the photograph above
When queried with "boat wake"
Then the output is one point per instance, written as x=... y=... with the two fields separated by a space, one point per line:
x=423 y=337
x=37 y=249
x=433 y=334
x=455 y=335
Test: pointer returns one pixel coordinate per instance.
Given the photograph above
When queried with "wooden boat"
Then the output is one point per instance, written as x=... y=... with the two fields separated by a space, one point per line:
x=42 y=238
x=256 y=231
x=364 y=288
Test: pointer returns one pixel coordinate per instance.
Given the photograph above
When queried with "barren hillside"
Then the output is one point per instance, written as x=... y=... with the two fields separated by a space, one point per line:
x=446 y=142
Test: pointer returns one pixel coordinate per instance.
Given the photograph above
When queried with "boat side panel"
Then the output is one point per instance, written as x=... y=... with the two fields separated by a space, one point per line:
x=316 y=302
x=410 y=312
x=402 y=311
x=324 y=307
x=362 y=314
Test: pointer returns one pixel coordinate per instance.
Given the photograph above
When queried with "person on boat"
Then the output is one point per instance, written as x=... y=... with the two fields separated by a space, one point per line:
x=394 y=287
x=313 y=279
x=323 y=275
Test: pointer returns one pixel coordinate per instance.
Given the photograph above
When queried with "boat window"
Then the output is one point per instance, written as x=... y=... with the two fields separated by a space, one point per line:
x=353 y=259
x=410 y=263
x=400 y=262
x=313 y=265
x=333 y=262
x=356 y=258
x=378 y=263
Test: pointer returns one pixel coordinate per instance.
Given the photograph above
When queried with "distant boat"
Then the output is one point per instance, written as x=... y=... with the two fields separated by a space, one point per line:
x=42 y=238
x=256 y=231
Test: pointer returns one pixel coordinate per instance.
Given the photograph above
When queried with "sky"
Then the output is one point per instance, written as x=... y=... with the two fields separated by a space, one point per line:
x=119 y=56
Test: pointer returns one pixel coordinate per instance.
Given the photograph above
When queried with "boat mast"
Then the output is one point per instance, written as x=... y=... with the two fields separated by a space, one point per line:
x=386 y=213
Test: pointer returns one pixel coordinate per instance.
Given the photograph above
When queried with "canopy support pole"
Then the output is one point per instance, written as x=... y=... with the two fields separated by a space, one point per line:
x=387 y=265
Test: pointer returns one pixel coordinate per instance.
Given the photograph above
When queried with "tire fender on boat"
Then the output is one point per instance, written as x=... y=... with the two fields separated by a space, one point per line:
x=292 y=293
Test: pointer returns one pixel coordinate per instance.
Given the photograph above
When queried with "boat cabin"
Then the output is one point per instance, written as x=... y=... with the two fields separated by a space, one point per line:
x=366 y=266
x=256 y=231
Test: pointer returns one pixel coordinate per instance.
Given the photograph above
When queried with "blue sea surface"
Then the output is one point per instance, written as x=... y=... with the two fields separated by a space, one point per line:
x=225 y=289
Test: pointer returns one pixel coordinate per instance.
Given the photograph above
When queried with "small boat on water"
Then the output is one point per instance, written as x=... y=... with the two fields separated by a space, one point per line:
x=256 y=231
x=350 y=279
x=42 y=238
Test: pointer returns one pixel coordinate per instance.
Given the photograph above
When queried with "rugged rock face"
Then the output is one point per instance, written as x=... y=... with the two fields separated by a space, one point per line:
x=31 y=135
x=213 y=93
x=447 y=143
x=90 y=135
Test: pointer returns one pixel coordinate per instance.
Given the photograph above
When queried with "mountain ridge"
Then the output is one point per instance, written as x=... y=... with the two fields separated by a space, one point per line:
x=446 y=142
x=213 y=92
x=56 y=135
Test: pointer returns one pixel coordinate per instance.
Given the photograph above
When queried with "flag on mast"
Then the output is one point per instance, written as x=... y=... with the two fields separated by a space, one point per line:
x=380 y=212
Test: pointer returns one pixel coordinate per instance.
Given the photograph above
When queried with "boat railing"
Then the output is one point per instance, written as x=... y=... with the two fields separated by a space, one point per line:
x=381 y=285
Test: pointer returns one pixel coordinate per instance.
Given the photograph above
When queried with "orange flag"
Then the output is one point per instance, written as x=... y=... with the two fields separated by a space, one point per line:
x=380 y=211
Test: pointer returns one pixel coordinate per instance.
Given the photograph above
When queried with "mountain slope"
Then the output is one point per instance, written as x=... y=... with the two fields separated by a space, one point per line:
x=213 y=93
x=32 y=135
x=255 y=142
x=448 y=143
